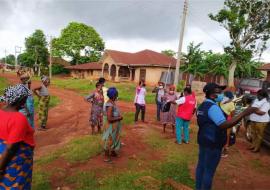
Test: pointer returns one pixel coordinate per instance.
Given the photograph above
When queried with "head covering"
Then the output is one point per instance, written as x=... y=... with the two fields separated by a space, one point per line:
x=13 y=94
x=172 y=87
x=102 y=80
x=229 y=94
x=112 y=92
x=210 y=87
x=44 y=78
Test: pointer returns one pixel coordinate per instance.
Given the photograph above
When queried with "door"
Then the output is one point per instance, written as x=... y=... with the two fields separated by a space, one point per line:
x=142 y=74
x=132 y=74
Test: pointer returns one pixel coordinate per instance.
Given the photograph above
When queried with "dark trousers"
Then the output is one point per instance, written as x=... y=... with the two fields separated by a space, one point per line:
x=208 y=161
x=159 y=107
x=138 y=109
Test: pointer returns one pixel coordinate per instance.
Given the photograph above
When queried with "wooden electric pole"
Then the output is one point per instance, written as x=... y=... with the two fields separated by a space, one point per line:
x=50 y=66
x=179 y=53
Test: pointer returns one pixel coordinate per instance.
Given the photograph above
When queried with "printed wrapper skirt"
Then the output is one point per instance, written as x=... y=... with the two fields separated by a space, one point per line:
x=111 y=136
x=43 y=110
x=18 y=172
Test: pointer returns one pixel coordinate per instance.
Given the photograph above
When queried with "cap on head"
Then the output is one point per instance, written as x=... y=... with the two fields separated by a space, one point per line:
x=210 y=87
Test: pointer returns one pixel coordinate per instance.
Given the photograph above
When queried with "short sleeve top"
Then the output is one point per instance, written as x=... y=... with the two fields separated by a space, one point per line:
x=14 y=128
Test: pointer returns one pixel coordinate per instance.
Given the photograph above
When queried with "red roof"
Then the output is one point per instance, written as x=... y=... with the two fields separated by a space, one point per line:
x=86 y=66
x=142 y=58
x=265 y=67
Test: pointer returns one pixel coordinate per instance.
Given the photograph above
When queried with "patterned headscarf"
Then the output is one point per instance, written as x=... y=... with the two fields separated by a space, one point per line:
x=112 y=92
x=13 y=94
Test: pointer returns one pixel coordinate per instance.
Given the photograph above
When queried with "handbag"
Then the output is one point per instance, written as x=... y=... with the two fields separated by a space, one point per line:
x=166 y=107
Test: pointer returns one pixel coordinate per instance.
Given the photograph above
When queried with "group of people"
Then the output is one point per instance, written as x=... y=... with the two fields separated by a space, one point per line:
x=216 y=115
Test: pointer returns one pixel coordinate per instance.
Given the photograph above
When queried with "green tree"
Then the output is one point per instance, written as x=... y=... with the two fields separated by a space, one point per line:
x=36 y=50
x=9 y=59
x=248 y=24
x=169 y=52
x=194 y=63
x=79 y=42
x=25 y=59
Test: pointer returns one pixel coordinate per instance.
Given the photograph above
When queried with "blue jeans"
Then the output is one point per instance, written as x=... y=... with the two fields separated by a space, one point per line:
x=180 y=123
x=159 y=107
x=206 y=168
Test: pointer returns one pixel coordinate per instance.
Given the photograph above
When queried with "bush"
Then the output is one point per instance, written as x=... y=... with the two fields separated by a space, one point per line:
x=59 y=69
x=181 y=85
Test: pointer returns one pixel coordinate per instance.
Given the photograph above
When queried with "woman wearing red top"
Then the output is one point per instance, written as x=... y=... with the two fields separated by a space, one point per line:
x=16 y=141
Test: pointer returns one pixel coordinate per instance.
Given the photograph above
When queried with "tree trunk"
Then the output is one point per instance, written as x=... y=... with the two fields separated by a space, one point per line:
x=231 y=74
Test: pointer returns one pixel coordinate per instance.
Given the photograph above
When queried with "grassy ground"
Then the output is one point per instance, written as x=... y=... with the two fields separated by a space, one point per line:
x=140 y=173
x=54 y=101
x=3 y=84
x=83 y=86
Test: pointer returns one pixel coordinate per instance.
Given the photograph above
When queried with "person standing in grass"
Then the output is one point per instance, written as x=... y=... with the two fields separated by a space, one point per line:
x=168 y=118
x=104 y=89
x=111 y=135
x=160 y=91
x=228 y=107
x=16 y=141
x=140 y=101
x=96 y=113
x=212 y=134
x=43 y=95
x=186 y=109
x=28 y=109
x=259 y=119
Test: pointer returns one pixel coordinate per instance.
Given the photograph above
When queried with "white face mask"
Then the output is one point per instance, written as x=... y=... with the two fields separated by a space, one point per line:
x=160 y=87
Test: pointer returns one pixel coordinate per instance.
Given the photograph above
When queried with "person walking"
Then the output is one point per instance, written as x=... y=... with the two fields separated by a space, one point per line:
x=228 y=107
x=111 y=135
x=96 y=113
x=43 y=95
x=16 y=141
x=259 y=119
x=160 y=92
x=168 y=118
x=28 y=109
x=140 y=101
x=186 y=109
x=212 y=134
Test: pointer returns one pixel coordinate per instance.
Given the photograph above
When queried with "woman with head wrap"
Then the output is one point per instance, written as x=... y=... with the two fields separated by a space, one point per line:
x=42 y=93
x=96 y=113
x=111 y=136
x=168 y=118
x=28 y=109
x=16 y=141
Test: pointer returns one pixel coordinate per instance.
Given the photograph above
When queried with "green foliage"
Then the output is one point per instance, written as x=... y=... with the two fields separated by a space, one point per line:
x=9 y=59
x=128 y=118
x=36 y=50
x=181 y=85
x=169 y=52
x=248 y=24
x=59 y=69
x=26 y=59
x=54 y=101
x=77 y=38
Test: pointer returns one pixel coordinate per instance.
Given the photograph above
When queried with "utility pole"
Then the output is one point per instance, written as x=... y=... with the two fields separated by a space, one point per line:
x=179 y=53
x=50 y=66
x=17 y=50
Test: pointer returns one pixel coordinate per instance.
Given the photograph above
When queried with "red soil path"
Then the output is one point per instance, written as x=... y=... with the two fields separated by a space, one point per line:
x=241 y=170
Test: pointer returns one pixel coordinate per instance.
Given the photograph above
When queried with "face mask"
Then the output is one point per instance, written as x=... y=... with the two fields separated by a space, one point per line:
x=171 y=92
x=160 y=87
x=219 y=97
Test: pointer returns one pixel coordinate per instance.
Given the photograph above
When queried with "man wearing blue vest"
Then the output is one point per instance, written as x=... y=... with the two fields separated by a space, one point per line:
x=212 y=134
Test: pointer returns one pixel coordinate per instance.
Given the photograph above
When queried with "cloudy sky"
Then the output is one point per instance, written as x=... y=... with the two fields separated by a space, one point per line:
x=126 y=25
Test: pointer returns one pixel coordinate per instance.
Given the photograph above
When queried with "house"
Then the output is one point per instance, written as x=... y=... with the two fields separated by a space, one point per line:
x=59 y=61
x=266 y=70
x=124 y=66
x=86 y=71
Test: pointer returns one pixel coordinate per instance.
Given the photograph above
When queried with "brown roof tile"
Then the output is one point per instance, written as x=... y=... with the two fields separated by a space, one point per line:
x=86 y=66
x=145 y=58
x=265 y=67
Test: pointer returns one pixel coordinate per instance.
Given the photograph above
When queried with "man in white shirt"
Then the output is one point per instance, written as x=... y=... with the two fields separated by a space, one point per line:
x=139 y=101
x=259 y=119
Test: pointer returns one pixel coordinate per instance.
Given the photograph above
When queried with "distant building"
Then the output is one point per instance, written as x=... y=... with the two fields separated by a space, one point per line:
x=125 y=66
x=86 y=71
